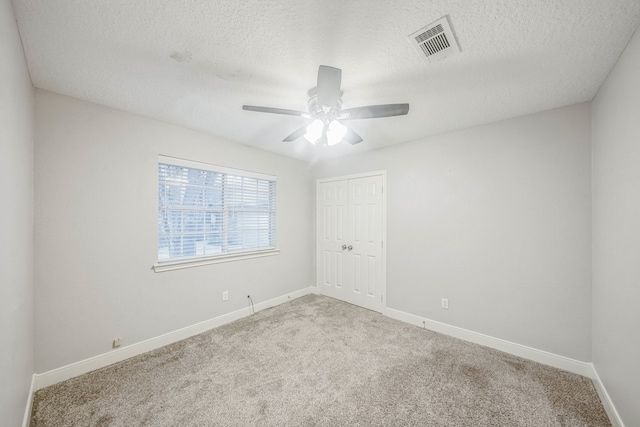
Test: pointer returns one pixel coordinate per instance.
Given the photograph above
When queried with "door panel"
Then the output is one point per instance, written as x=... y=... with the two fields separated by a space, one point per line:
x=332 y=224
x=365 y=213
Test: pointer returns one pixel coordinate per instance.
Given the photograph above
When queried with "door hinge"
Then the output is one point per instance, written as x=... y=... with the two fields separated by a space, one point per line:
x=382 y=243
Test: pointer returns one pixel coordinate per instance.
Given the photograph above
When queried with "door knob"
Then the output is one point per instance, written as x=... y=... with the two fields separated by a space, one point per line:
x=349 y=247
x=344 y=247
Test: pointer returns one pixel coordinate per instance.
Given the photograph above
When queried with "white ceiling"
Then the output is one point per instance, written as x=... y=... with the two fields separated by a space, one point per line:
x=196 y=62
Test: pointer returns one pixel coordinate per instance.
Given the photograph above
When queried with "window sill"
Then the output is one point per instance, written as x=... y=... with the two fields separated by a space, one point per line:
x=178 y=265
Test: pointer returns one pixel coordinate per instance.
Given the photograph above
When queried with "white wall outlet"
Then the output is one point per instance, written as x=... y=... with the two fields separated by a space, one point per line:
x=225 y=295
x=445 y=303
x=117 y=342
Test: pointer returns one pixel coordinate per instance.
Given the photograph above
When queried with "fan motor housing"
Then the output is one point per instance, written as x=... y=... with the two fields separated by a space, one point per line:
x=324 y=112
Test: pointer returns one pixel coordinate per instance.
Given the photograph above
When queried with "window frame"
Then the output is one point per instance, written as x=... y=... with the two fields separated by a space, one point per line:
x=206 y=259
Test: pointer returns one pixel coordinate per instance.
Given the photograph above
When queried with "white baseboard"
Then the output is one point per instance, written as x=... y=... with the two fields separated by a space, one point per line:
x=541 y=356
x=609 y=407
x=82 y=367
x=26 y=420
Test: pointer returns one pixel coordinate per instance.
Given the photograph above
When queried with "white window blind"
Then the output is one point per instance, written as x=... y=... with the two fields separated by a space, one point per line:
x=206 y=211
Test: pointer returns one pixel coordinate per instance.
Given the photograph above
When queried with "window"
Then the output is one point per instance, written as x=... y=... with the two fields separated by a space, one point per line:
x=207 y=211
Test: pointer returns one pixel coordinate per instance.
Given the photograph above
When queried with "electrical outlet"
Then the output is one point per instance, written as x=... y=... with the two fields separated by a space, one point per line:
x=445 y=303
x=225 y=295
x=117 y=342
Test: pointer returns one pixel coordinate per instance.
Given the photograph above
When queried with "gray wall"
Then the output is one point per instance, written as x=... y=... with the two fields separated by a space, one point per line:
x=616 y=233
x=96 y=231
x=497 y=220
x=16 y=222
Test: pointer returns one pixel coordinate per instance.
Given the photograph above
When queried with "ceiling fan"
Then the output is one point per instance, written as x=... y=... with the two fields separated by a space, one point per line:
x=325 y=107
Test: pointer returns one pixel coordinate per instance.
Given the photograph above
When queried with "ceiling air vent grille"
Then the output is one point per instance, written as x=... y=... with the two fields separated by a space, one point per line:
x=435 y=41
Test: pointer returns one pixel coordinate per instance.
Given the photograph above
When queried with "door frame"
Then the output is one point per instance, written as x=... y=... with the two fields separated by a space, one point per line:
x=383 y=281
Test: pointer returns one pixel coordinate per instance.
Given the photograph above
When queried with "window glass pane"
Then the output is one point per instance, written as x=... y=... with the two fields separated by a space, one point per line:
x=213 y=244
x=207 y=213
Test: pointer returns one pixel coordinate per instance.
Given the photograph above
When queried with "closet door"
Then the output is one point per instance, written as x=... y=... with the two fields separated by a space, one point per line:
x=365 y=232
x=332 y=238
x=350 y=232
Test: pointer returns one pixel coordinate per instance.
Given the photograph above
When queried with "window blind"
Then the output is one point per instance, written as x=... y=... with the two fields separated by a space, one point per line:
x=204 y=212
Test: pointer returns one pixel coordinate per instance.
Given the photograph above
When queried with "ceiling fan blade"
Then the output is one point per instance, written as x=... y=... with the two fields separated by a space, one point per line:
x=297 y=134
x=329 y=80
x=275 y=110
x=374 y=111
x=351 y=136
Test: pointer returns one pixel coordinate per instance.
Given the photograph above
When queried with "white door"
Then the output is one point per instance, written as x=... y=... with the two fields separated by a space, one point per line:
x=332 y=225
x=350 y=239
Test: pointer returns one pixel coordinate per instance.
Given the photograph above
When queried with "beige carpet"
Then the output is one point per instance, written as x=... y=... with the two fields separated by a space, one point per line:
x=319 y=362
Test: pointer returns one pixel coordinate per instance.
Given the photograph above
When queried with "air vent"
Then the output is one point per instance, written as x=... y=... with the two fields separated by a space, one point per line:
x=435 y=41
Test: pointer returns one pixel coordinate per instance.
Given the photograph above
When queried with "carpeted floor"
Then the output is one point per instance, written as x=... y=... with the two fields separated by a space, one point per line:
x=320 y=362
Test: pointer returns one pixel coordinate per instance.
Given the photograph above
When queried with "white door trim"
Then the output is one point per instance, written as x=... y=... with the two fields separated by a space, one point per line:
x=358 y=175
x=383 y=173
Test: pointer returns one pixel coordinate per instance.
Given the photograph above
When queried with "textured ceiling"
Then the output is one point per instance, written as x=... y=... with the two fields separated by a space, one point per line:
x=196 y=62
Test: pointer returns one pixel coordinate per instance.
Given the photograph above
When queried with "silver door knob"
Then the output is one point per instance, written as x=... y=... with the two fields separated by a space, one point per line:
x=349 y=247
x=344 y=247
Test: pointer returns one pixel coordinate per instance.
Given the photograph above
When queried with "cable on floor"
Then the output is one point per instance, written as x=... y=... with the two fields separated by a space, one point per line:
x=251 y=301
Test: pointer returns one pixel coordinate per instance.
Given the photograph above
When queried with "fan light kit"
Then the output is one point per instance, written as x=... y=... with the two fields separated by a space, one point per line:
x=325 y=108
